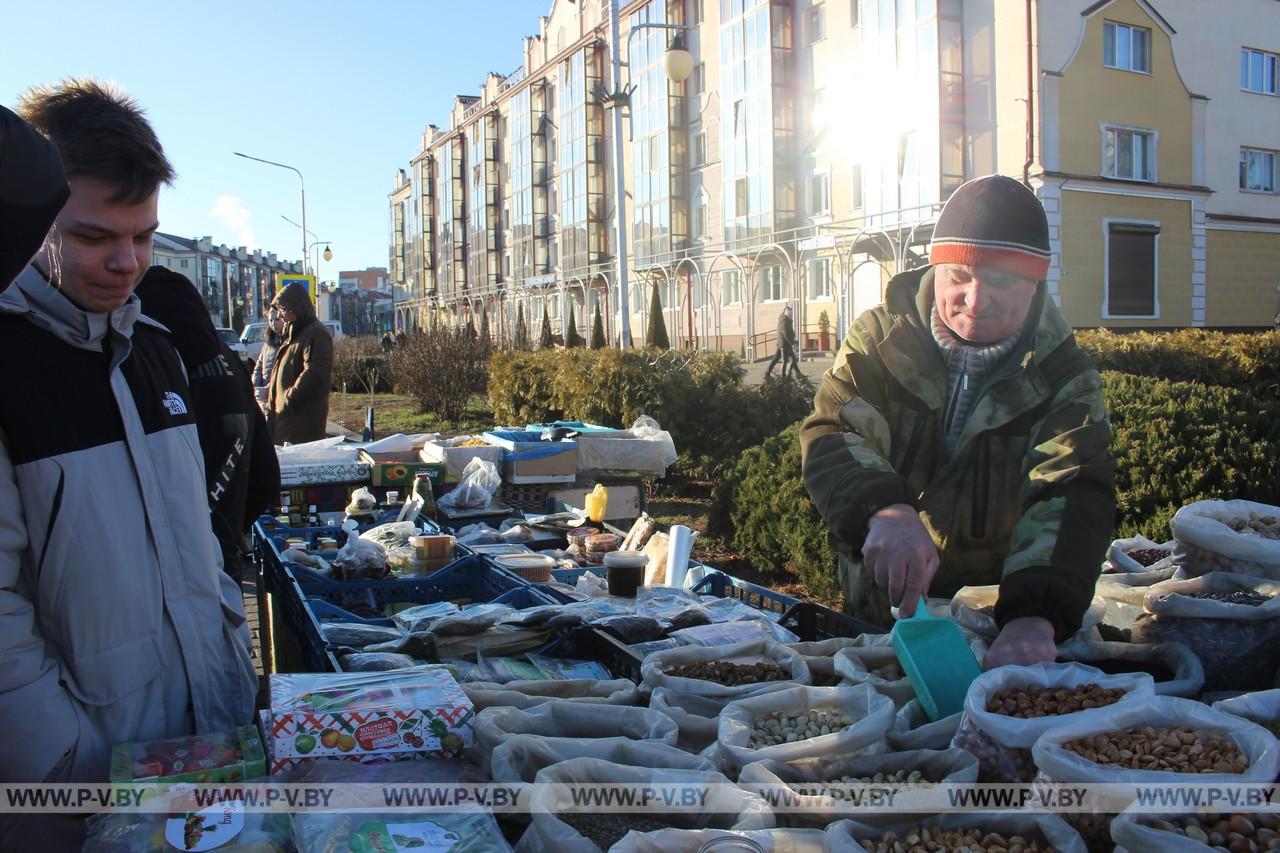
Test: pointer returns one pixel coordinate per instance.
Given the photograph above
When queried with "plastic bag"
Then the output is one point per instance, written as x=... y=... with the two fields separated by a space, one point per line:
x=528 y=694
x=1124 y=592
x=872 y=713
x=819 y=656
x=630 y=628
x=725 y=806
x=843 y=836
x=810 y=808
x=1174 y=668
x=647 y=428
x=1002 y=743
x=698 y=717
x=912 y=729
x=520 y=756
x=362 y=502
x=152 y=832
x=1118 y=559
x=973 y=608
x=1262 y=707
x=359 y=557
x=654 y=669
x=572 y=720
x=463 y=831
x=393 y=534
x=664 y=602
x=1238 y=644
x=358 y=635
x=765 y=840
x=375 y=661
x=480 y=480
x=471 y=620
x=592 y=585
x=733 y=633
x=1132 y=834
x=1217 y=536
x=477 y=534
x=422 y=616
x=877 y=666
x=305 y=558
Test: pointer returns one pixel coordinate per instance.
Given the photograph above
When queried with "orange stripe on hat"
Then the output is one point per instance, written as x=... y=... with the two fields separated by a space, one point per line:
x=1020 y=261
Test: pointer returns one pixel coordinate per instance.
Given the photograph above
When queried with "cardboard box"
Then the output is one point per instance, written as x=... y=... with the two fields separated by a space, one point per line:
x=340 y=715
x=624 y=499
x=400 y=474
x=454 y=459
x=621 y=451
x=219 y=757
x=528 y=459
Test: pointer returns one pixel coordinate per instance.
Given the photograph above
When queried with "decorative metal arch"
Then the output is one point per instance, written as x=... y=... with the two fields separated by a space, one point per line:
x=751 y=307
x=698 y=272
x=716 y=306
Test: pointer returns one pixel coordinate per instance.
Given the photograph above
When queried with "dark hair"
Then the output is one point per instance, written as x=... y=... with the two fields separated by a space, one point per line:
x=101 y=133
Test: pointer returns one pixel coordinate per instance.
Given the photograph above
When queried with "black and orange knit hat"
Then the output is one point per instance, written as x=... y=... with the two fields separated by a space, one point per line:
x=993 y=222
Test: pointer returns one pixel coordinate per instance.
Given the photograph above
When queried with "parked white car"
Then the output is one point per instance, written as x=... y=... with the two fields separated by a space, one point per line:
x=229 y=337
x=255 y=335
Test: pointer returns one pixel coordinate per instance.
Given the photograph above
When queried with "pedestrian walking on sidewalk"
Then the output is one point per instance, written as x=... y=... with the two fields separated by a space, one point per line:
x=786 y=346
x=298 y=404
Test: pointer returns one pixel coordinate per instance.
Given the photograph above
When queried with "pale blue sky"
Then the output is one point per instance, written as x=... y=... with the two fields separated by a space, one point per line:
x=340 y=90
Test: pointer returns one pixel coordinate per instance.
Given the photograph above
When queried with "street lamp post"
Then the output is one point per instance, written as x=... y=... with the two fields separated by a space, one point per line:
x=302 y=185
x=314 y=244
x=678 y=64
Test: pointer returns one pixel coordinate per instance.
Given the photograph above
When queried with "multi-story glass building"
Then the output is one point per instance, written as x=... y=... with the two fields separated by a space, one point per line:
x=805 y=160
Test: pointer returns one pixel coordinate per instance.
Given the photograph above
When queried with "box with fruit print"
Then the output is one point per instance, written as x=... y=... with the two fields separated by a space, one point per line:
x=346 y=715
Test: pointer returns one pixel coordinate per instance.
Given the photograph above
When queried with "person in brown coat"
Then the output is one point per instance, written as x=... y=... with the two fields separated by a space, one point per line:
x=298 y=403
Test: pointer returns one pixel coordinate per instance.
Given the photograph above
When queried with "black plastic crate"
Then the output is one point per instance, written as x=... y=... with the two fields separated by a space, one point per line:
x=811 y=621
x=750 y=594
x=588 y=643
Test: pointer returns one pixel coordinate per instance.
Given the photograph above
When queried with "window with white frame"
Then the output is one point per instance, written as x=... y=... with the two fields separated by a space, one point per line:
x=1258 y=71
x=817 y=22
x=1126 y=47
x=1257 y=170
x=700 y=216
x=1128 y=153
x=771 y=289
x=730 y=288
x=819 y=275
x=820 y=194
x=1132 y=269
x=699 y=148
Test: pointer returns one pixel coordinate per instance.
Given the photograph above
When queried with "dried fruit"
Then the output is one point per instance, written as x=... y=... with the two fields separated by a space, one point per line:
x=731 y=674
x=1148 y=556
x=1036 y=701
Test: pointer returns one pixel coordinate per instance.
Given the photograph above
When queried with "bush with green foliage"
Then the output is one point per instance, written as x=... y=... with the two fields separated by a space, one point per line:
x=520 y=340
x=1174 y=443
x=545 y=340
x=597 y=331
x=1246 y=361
x=441 y=370
x=656 y=333
x=571 y=337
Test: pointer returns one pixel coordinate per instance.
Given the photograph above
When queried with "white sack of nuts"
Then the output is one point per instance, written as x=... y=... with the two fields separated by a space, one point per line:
x=996 y=833
x=726 y=805
x=1136 y=832
x=1124 y=592
x=1147 y=732
x=1227 y=536
x=1185 y=670
x=520 y=757
x=766 y=840
x=746 y=725
x=698 y=717
x=1261 y=707
x=821 y=787
x=973 y=609
x=878 y=666
x=1138 y=555
x=656 y=667
x=527 y=694
x=1062 y=692
x=574 y=720
x=819 y=656
x=912 y=729
x=1187 y=599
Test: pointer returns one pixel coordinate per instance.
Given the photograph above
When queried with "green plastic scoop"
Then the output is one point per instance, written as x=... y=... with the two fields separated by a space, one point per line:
x=937 y=660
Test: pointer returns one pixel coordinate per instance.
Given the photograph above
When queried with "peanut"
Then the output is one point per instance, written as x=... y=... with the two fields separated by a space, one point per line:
x=1178 y=749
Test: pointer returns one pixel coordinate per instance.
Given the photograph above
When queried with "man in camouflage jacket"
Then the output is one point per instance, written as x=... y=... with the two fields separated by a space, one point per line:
x=961 y=437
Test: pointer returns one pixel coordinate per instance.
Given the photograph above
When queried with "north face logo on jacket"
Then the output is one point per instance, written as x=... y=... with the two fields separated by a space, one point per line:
x=174 y=403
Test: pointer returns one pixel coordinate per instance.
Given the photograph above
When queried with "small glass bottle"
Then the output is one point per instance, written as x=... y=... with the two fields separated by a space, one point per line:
x=283 y=516
x=422 y=490
x=313 y=518
x=296 y=518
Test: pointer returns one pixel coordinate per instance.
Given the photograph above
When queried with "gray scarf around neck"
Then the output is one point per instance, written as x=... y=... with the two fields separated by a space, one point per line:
x=968 y=366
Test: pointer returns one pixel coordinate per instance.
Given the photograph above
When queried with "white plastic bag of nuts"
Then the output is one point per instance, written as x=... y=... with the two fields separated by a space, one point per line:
x=819 y=656
x=1134 y=832
x=726 y=806
x=1174 y=667
x=527 y=694
x=765 y=840
x=698 y=717
x=787 y=725
x=1138 y=555
x=912 y=729
x=816 y=786
x=996 y=832
x=1123 y=593
x=878 y=666
x=973 y=609
x=1242 y=537
x=572 y=720
x=744 y=669
x=1261 y=707
x=1007 y=709
x=519 y=757
x=1231 y=622
x=1147 y=731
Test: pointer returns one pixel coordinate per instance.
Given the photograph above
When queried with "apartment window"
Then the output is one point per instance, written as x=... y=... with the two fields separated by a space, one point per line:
x=819 y=279
x=695 y=12
x=739 y=119
x=700 y=217
x=1125 y=47
x=185 y=263
x=820 y=194
x=856 y=190
x=700 y=78
x=699 y=148
x=817 y=23
x=740 y=197
x=1131 y=269
x=771 y=284
x=1128 y=153
x=1258 y=71
x=730 y=288
x=1257 y=170
x=854 y=17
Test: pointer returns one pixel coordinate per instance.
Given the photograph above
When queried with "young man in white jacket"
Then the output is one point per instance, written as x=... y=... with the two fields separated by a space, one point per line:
x=116 y=621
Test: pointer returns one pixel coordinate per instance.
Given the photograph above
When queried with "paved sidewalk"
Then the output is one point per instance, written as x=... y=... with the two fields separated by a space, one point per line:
x=813 y=365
